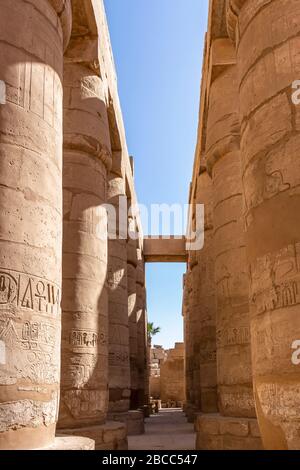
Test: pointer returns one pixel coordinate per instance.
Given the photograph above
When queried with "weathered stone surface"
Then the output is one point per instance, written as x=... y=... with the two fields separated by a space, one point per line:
x=119 y=360
x=269 y=133
x=71 y=443
x=85 y=303
x=231 y=276
x=205 y=308
x=134 y=420
x=35 y=37
x=186 y=311
x=157 y=356
x=30 y=221
x=109 y=436
x=215 y=432
x=132 y=311
x=141 y=318
x=172 y=376
x=249 y=125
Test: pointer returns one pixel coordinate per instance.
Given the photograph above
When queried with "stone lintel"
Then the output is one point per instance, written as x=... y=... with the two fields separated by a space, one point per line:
x=165 y=250
x=222 y=55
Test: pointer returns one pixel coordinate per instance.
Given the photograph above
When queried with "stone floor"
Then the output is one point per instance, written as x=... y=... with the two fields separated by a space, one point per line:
x=168 y=430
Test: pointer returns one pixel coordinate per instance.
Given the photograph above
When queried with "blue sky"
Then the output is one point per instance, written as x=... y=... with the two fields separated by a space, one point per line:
x=158 y=47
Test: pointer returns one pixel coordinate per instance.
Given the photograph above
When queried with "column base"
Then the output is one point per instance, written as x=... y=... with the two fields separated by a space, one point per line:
x=134 y=420
x=109 y=436
x=71 y=443
x=216 y=432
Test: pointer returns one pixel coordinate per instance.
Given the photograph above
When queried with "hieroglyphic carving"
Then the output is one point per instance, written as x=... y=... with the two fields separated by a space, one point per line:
x=23 y=413
x=87 y=403
x=207 y=356
x=275 y=280
x=233 y=336
x=119 y=357
x=239 y=400
x=20 y=290
x=31 y=351
x=115 y=277
x=81 y=340
x=265 y=179
x=83 y=369
x=223 y=288
x=276 y=399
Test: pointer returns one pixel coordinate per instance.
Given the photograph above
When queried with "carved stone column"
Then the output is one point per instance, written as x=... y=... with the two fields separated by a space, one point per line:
x=233 y=333
x=270 y=143
x=119 y=347
x=206 y=302
x=234 y=374
x=141 y=330
x=32 y=39
x=193 y=339
x=202 y=311
x=87 y=156
x=188 y=340
x=87 y=160
x=119 y=364
x=132 y=316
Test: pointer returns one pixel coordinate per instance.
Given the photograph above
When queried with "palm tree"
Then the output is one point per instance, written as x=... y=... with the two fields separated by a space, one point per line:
x=152 y=330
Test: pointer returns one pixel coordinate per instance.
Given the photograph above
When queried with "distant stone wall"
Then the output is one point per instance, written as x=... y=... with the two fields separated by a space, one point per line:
x=172 y=376
x=157 y=356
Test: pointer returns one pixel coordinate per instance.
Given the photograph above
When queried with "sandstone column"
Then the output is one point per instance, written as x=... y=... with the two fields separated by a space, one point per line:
x=203 y=310
x=270 y=145
x=193 y=384
x=132 y=314
x=31 y=49
x=87 y=158
x=119 y=347
x=206 y=302
x=194 y=336
x=236 y=404
x=188 y=340
x=119 y=364
x=84 y=324
x=141 y=330
x=233 y=334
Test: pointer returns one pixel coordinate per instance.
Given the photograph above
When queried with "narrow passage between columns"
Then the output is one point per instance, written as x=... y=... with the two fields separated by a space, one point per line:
x=167 y=430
